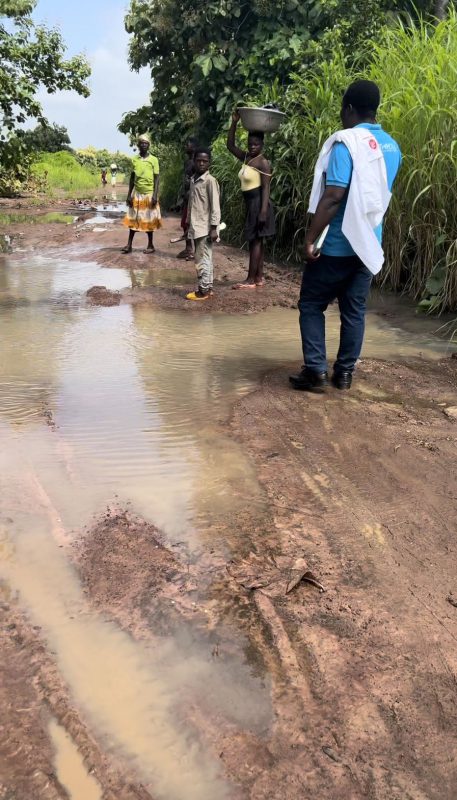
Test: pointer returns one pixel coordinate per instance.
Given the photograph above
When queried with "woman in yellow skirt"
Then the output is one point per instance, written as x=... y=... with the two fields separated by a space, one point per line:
x=143 y=213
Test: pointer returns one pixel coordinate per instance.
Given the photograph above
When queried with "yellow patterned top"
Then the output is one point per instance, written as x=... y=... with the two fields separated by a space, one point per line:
x=249 y=177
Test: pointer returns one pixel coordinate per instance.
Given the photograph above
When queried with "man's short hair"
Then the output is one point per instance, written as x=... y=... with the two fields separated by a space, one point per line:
x=363 y=96
x=203 y=151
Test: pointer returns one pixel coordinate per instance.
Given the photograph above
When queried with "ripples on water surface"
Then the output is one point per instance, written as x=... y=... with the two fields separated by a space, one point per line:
x=136 y=393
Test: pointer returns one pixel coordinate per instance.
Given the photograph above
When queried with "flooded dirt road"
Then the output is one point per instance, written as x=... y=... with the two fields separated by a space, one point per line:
x=161 y=489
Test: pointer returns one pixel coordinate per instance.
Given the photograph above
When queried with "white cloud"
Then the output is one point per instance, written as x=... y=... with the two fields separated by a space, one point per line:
x=114 y=90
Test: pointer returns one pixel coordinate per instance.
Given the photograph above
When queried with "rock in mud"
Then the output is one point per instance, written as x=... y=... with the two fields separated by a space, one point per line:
x=101 y=296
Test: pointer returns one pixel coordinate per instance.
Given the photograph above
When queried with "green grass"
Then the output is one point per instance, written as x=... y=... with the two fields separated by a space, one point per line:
x=171 y=164
x=35 y=219
x=415 y=69
x=60 y=172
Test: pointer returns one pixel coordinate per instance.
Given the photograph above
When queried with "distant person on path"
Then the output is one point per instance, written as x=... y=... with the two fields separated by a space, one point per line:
x=255 y=177
x=203 y=218
x=113 y=175
x=104 y=181
x=143 y=213
x=189 y=171
x=352 y=186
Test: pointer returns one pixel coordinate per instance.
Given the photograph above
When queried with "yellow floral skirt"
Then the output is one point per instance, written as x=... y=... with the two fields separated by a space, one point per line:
x=141 y=216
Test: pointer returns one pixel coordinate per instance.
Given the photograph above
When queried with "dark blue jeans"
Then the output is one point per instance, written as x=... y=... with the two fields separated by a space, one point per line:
x=330 y=277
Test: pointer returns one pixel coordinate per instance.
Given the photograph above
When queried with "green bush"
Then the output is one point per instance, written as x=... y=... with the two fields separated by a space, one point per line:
x=415 y=69
x=225 y=168
x=96 y=160
x=171 y=164
x=62 y=172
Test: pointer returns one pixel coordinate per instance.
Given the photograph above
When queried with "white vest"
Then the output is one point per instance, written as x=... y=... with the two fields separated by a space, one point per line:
x=368 y=197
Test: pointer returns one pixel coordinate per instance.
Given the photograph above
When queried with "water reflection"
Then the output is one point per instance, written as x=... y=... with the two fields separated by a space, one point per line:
x=137 y=394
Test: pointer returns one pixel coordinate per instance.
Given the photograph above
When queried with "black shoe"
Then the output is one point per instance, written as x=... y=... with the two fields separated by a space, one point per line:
x=309 y=381
x=297 y=377
x=342 y=380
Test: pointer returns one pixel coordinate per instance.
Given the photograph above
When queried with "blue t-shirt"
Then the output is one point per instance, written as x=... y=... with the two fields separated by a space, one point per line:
x=339 y=173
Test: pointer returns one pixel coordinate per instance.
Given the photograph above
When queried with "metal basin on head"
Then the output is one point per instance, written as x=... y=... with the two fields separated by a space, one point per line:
x=266 y=120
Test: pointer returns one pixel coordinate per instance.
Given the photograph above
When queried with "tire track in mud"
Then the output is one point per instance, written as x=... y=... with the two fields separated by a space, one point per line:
x=38 y=568
x=33 y=695
x=120 y=691
x=42 y=689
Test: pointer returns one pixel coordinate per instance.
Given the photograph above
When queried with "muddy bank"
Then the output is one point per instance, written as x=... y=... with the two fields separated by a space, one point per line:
x=363 y=674
x=33 y=698
x=160 y=279
x=93 y=232
x=373 y=513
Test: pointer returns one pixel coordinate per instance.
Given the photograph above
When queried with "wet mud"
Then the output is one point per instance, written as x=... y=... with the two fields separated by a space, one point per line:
x=211 y=585
x=363 y=487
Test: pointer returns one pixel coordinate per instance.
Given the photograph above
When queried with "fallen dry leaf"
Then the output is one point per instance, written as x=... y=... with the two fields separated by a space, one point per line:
x=275 y=576
x=306 y=576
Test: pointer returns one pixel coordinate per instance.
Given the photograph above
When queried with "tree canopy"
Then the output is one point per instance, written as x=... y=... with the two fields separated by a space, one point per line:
x=99 y=159
x=206 y=57
x=31 y=57
x=46 y=138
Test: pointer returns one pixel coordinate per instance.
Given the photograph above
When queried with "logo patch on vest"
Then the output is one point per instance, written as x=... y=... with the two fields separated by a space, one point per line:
x=373 y=144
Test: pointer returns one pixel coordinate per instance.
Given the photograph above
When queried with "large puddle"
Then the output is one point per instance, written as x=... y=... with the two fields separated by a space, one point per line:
x=123 y=405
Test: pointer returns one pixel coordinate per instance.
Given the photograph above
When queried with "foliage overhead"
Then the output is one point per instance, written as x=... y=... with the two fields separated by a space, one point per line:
x=46 y=139
x=102 y=159
x=31 y=57
x=206 y=57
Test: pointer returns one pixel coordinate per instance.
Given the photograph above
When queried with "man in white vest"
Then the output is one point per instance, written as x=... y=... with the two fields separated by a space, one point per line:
x=352 y=186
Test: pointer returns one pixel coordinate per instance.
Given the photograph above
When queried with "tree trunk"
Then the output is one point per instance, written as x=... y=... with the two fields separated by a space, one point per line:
x=440 y=9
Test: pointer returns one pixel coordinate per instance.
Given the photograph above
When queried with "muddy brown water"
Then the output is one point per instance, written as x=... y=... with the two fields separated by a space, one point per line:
x=122 y=405
x=70 y=766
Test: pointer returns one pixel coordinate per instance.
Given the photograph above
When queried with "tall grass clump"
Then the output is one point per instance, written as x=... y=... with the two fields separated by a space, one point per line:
x=62 y=173
x=416 y=69
x=225 y=168
x=171 y=162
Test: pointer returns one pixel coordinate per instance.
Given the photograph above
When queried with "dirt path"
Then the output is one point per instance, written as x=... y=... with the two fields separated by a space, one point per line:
x=345 y=693
x=364 y=489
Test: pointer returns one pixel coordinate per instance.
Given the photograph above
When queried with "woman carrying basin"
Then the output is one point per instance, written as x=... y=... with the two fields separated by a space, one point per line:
x=255 y=177
x=143 y=213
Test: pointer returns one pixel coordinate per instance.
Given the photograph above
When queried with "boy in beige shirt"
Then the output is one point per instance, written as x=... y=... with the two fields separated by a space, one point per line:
x=203 y=218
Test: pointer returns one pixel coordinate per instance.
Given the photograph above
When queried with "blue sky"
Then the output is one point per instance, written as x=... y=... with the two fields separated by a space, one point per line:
x=95 y=27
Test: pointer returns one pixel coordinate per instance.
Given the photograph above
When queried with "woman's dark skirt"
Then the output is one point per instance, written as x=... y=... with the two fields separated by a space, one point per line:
x=252 y=230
